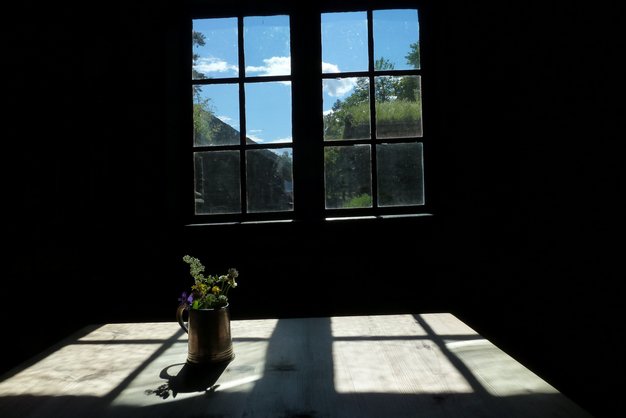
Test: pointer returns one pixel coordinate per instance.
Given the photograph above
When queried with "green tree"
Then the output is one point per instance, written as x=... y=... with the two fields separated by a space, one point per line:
x=385 y=87
x=350 y=118
x=197 y=39
x=409 y=87
x=413 y=57
x=203 y=115
x=398 y=110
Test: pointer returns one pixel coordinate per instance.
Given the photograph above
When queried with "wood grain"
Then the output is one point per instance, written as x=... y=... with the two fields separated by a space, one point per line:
x=430 y=365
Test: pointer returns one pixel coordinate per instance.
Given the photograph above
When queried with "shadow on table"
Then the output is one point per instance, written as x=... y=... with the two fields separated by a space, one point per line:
x=190 y=378
x=298 y=380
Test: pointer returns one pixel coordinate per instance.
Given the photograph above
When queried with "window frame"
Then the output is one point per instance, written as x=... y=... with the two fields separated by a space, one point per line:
x=308 y=142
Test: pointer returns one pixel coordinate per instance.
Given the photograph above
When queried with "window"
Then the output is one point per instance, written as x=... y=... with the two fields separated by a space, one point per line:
x=372 y=109
x=283 y=132
x=241 y=89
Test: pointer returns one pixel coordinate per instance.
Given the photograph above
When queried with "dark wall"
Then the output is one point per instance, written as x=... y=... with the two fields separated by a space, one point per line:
x=526 y=190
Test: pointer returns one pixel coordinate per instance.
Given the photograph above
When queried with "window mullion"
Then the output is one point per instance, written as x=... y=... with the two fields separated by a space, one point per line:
x=370 y=53
x=308 y=155
x=242 y=117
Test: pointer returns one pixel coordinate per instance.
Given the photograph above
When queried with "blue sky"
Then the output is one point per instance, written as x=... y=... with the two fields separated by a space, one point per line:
x=267 y=52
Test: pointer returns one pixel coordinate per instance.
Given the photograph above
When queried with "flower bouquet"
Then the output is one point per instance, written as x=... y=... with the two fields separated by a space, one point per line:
x=208 y=291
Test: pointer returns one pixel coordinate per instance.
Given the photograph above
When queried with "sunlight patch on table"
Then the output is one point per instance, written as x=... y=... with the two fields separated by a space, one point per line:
x=145 y=331
x=240 y=376
x=376 y=326
x=80 y=369
x=254 y=328
x=496 y=371
x=443 y=324
x=395 y=366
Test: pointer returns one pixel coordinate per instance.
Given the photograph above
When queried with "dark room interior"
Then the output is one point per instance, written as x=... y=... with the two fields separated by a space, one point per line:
x=520 y=241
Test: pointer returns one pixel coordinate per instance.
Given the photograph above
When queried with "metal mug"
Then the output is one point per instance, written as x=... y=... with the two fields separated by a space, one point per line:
x=209 y=334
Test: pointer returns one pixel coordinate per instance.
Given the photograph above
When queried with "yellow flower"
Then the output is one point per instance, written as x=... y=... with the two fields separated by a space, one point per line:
x=215 y=290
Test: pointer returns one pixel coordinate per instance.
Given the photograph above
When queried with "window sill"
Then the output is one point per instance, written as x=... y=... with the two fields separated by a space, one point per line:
x=334 y=219
x=270 y=221
x=378 y=217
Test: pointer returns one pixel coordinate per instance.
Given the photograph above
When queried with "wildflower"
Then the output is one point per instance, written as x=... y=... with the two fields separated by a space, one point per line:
x=232 y=275
x=208 y=291
x=184 y=298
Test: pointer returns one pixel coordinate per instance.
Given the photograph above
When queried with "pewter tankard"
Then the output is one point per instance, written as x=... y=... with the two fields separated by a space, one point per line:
x=209 y=334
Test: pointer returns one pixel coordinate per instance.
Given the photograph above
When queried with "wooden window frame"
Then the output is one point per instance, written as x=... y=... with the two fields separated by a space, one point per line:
x=307 y=123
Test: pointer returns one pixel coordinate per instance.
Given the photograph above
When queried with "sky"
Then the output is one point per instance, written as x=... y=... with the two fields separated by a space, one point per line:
x=267 y=53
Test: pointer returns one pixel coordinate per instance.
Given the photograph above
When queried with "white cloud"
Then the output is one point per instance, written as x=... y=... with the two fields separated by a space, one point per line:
x=329 y=68
x=207 y=65
x=273 y=66
x=339 y=87
x=336 y=87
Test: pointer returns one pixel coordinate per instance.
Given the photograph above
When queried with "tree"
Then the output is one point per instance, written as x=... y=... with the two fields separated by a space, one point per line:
x=413 y=57
x=385 y=87
x=398 y=111
x=203 y=115
x=350 y=118
x=410 y=86
x=197 y=39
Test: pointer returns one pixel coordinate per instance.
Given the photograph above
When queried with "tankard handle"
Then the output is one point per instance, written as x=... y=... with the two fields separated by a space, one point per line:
x=179 y=316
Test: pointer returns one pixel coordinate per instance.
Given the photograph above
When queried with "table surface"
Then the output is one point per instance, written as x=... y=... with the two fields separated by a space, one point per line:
x=413 y=365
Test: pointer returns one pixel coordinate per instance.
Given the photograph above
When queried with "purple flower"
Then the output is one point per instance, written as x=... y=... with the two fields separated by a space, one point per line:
x=184 y=298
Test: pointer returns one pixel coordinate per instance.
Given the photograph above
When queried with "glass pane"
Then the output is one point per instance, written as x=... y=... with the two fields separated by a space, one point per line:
x=270 y=181
x=217 y=182
x=268 y=112
x=400 y=174
x=216 y=114
x=396 y=39
x=266 y=45
x=214 y=44
x=346 y=108
x=398 y=106
x=348 y=177
x=344 y=42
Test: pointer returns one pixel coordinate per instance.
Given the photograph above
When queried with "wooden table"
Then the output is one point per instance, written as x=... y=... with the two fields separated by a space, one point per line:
x=384 y=366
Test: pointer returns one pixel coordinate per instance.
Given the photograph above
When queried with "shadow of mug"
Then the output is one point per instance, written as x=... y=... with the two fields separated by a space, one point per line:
x=190 y=378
